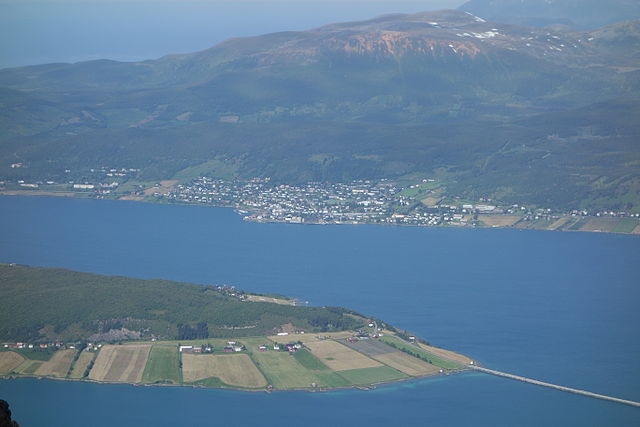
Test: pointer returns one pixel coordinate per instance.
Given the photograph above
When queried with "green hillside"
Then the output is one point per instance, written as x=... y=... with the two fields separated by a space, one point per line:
x=43 y=304
x=503 y=112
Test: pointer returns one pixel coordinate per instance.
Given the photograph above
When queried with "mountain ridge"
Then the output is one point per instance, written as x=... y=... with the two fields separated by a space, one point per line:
x=574 y=14
x=272 y=105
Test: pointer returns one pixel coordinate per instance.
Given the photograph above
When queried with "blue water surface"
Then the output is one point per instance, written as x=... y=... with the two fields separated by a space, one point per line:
x=559 y=307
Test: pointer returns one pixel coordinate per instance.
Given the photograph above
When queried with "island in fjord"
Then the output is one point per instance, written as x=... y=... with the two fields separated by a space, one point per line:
x=63 y=324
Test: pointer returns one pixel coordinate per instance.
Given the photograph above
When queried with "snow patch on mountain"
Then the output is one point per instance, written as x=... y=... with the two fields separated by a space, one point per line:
x=484 y=35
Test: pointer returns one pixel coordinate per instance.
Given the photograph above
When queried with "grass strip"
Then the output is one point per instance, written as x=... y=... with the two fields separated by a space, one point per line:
x=420 y=353
x=162 y=366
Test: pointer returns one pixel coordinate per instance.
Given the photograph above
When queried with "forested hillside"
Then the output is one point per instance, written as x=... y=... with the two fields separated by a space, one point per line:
x=44 y=304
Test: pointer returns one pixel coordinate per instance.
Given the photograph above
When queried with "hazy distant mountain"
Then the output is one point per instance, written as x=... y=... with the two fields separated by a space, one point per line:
x=576 y=14
x=440 y=93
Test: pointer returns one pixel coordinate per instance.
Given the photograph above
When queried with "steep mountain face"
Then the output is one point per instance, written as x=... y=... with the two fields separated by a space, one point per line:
x=428 y=93
x=576 y=14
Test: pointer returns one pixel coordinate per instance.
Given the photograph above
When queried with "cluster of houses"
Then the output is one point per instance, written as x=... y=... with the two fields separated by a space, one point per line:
x=92 y=347
x=363 y=335
x=45 y=346
x=51 y=346
x=102 y=180
x=291 y=347
x=231 y=347
x=231 y=291
x=360 y=201
x=314 y=202
x=235 y=347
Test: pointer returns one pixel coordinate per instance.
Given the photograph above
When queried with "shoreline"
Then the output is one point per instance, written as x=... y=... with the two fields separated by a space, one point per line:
x=368 y=387
x=76 y=195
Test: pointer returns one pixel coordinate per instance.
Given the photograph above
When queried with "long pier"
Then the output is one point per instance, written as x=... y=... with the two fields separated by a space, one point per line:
x=557 y=387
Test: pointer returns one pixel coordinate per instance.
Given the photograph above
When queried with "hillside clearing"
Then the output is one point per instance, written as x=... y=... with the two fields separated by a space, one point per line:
x=259 y=298
x=306 y=338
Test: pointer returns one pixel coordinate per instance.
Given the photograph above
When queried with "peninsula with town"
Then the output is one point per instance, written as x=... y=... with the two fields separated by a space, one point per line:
x=145 y=332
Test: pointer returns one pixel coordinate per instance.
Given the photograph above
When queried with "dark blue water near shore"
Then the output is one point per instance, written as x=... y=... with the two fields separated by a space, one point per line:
x=560 y=307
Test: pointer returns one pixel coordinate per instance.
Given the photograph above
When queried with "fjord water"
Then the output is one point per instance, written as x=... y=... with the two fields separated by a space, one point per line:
x=559 y=307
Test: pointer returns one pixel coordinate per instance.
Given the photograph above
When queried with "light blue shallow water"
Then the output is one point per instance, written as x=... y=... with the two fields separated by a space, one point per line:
x=559 y=307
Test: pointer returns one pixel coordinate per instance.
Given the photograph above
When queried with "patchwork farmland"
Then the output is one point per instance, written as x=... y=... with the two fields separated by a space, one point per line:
x=306 y=361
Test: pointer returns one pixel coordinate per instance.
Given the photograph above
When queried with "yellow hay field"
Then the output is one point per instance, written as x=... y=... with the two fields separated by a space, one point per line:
x=407 y=364
x=447 y=354
x=120 y=363
x=499 y=220
x=58 y=365
x=236 y=370
x=258 y=298
x=9 y=360
x=81 y=364
x=340 y=357
x=28 y=367
x=558 y=223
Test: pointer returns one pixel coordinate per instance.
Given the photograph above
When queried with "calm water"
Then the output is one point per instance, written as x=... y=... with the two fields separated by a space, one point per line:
x=561 y=307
